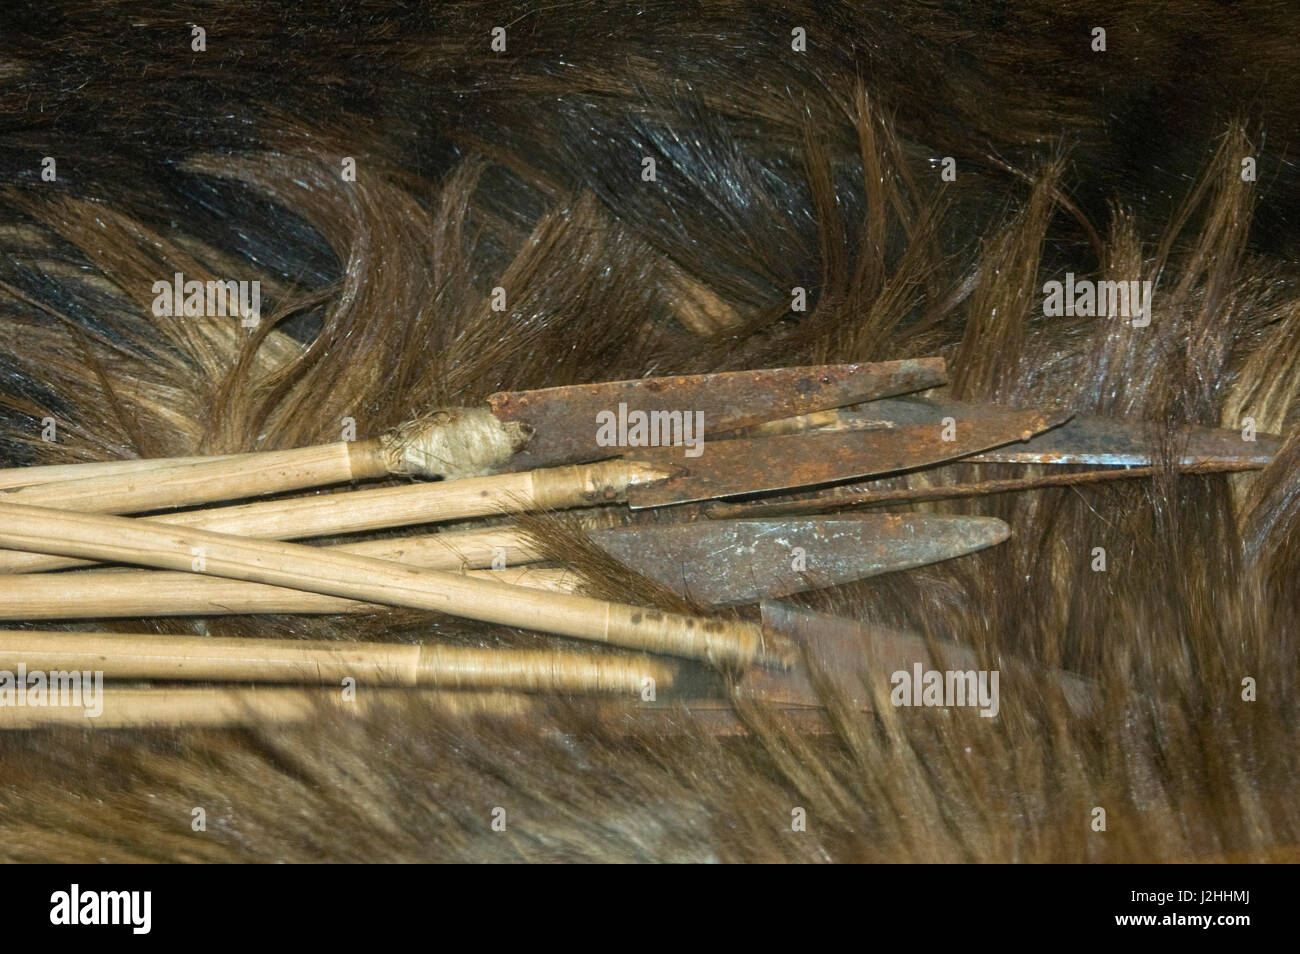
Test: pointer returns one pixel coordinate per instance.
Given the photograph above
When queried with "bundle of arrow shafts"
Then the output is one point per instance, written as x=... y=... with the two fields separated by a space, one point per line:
x=77 y=548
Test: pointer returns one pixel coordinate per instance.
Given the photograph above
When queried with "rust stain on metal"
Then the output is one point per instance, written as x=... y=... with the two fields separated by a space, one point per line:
x=723 y=563
x=1085 y=439
x=869 y=494
x=565 y=419
x=1113 y=442
x=758 y=465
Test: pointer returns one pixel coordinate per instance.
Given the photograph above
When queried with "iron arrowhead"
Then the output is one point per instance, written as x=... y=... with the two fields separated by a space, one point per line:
x=729 y=562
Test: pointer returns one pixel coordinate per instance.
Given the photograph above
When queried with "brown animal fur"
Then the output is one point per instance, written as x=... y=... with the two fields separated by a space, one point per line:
x=775 y=169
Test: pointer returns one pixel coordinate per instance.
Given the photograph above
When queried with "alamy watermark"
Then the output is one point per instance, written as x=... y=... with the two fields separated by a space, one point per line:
x=75 y=906
x=1088 y=299
x=55 y=688
x=626 y=428
x=216 y=299
x=946 y=689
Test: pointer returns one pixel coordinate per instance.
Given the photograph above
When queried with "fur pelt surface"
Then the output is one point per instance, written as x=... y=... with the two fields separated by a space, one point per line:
x=776 y=168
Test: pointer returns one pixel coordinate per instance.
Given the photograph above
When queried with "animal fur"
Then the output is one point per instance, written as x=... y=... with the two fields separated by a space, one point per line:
x=775 y=169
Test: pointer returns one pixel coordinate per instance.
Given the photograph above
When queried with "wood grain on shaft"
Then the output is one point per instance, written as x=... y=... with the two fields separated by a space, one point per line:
x=319 y=570
x=53 y=473
x=114 y=594
x=451 y=550
x=152 y=656
x=362 y=510
x=186 y=483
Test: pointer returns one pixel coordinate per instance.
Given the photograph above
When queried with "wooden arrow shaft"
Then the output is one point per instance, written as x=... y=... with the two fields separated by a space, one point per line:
x=185 y=482
x=117 y=594
x=150 y=656
x=362 y=510
x=58 y=473
x=333 y=573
